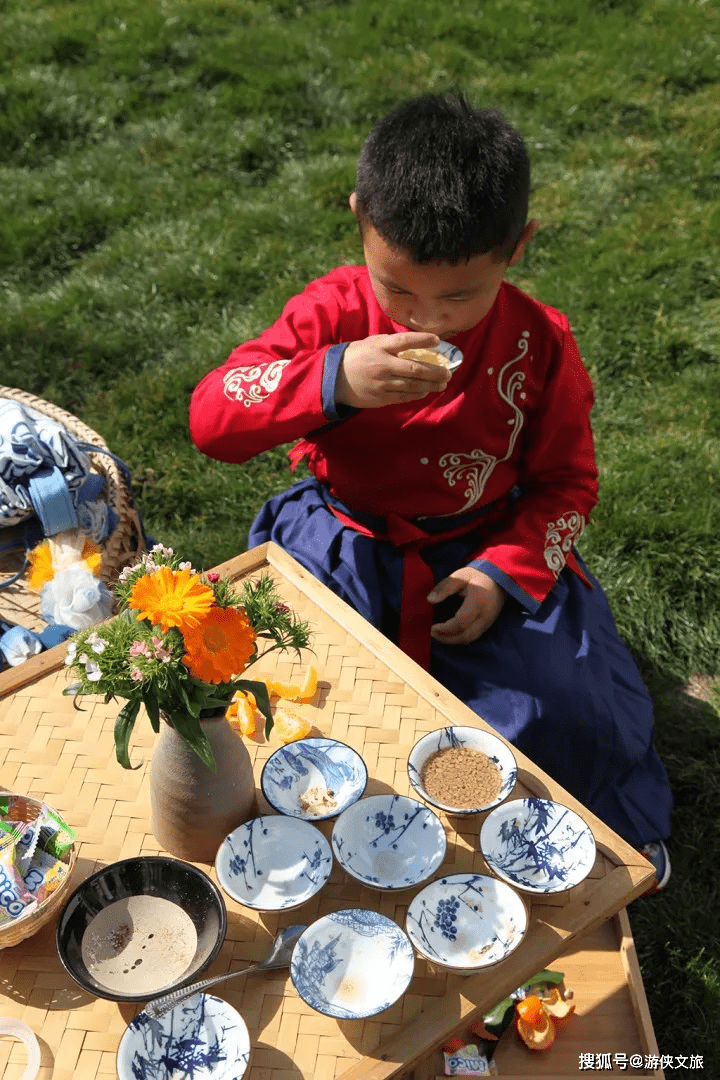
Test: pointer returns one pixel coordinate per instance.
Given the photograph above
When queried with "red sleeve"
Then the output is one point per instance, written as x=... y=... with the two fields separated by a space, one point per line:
x=269 y=391
x=558 y=485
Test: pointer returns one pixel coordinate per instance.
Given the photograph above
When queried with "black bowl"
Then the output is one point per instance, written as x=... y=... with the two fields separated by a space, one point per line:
x=149 y=875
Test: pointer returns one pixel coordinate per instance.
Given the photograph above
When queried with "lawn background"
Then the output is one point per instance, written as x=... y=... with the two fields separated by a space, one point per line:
x=172 y=172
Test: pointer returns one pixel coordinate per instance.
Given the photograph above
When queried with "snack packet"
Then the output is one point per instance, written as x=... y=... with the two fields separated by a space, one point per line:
x=45 y=875
x=15 y=900
x=56 y=836
x=466 y=1060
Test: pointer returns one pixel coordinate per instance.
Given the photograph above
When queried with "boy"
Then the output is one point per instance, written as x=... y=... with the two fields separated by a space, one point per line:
x=433 y=489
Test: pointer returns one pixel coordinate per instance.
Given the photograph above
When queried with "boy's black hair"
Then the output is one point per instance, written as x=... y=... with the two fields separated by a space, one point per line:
x=443 y=181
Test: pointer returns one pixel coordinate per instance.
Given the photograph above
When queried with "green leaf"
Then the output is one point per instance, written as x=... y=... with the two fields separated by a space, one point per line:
x=150 y=701
x=193 y=707
x=123 y=726
x=260 y=693
x=495 y=1020
x=188 y=725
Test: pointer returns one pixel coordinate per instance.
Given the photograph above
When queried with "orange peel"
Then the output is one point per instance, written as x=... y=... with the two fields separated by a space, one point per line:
x=536 y=1036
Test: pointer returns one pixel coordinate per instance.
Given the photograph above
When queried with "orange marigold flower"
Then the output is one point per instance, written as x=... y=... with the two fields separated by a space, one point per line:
x=171 y=598
x=41 y=566
x=220 y=645
x=92 y=556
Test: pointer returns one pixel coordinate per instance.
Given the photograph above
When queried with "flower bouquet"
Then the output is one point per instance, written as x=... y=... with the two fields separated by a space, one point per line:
x=179 y=646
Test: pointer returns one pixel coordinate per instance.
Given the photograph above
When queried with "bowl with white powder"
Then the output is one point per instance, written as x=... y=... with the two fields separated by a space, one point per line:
x=141 y=927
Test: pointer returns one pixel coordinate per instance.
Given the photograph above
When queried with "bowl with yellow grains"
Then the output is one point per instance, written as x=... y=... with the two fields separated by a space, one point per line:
x=462 y=770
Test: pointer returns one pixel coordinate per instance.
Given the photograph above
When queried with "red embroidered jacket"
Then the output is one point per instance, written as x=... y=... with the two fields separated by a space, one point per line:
x=515 y=413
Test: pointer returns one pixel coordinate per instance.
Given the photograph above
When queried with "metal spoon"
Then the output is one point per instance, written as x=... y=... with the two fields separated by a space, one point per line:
x=278 y=957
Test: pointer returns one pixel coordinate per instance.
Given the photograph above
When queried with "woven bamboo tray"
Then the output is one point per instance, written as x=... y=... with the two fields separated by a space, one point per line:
x=372 y=697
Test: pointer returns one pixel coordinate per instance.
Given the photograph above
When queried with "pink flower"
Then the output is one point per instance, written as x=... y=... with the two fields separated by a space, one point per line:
x=139 y=648
x=136 y=674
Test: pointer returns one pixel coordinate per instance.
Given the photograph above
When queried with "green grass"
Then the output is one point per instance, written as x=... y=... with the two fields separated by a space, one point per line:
x=172 y=172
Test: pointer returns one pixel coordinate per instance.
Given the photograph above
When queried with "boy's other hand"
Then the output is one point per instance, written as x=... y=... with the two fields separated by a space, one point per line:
x=372 y=375
x=482 y=602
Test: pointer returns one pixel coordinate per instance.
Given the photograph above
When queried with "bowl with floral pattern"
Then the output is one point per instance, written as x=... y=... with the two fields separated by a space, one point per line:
x=537 y=845
x=352 y=964
x=389 y=841
x=313 y=779
x=466 y=922
x=273 y=863
x=462 y=770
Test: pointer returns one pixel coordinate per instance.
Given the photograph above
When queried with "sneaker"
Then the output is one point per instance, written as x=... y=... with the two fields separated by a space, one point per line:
x=656 y=853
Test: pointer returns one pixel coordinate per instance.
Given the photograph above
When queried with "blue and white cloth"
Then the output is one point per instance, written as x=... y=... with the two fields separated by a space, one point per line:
x=45 y=471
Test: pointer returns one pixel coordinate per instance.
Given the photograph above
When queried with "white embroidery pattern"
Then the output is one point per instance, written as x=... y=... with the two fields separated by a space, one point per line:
x=560 y=537
x=264 y=380
x=477 y=466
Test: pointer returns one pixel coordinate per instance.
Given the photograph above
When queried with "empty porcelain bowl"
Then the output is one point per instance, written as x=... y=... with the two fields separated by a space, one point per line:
x=203 y=1038
x=389 y=841
x=537 y=845
x=465 y=922
x=461 y=782
x=352 y=964
x=272 y=863
x=313 y=779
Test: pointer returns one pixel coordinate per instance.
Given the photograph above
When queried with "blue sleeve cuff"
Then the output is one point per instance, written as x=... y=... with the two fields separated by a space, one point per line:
x=332 y=409
x=528 y=602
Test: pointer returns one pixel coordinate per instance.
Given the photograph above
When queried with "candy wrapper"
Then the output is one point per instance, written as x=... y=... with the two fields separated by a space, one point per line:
x=15 y=899
x=45 y=875
x=466 y=1060
x=31 y=852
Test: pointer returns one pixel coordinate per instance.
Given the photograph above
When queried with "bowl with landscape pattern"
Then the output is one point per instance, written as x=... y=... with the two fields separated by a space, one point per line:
x=466 y=922
x=537 y=845
x=313 y=779
x=352 y=964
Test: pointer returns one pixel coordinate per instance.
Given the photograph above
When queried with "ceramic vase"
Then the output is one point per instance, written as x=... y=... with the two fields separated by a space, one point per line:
x=193 y=808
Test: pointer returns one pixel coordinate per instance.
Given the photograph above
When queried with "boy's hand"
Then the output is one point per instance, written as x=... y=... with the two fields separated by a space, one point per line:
x=371 y=374
x=483 y=600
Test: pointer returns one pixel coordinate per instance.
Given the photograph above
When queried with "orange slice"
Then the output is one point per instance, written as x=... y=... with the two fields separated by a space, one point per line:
x=289 y=725
x=532 y=1011
x=305 y=692
x=536 y=1037
x=243 y=712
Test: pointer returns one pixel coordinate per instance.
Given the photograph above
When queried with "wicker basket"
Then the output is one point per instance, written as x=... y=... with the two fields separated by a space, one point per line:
x=23 y=808
x=124 y=545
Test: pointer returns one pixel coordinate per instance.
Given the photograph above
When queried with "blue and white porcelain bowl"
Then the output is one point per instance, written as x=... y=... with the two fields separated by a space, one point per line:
x=472 y=738
x=313 y=779
x=203 y=1037
x=352 y=964
x=452 y=354
x=273 y=863
x=465 y=922
x=389 y=841
x=537 y=845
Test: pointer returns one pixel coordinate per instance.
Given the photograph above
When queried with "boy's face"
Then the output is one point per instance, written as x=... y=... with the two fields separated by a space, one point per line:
x=440 y=298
